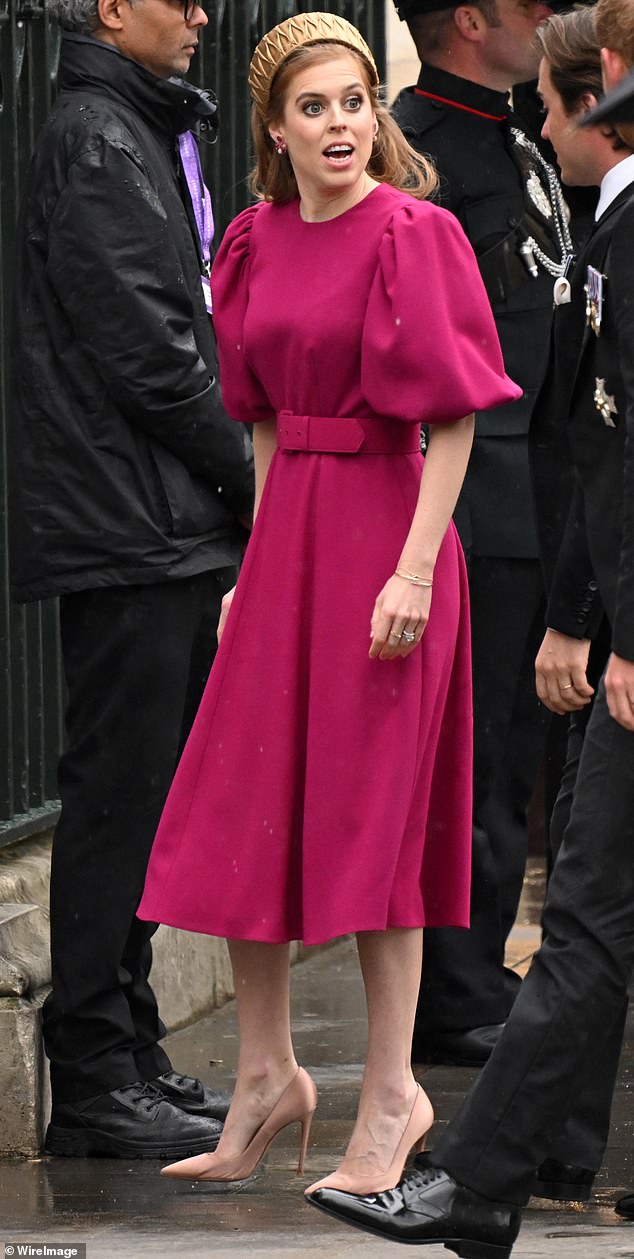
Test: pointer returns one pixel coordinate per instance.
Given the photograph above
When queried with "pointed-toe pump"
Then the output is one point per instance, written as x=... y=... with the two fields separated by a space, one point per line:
x=295 y=1105
x=414 y=1136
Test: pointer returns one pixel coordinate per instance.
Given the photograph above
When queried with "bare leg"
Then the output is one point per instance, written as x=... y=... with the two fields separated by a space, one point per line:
x=266 y=1062
x=391 y=965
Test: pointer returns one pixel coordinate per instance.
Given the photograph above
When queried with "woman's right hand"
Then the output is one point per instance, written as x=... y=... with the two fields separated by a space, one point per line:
x=401 y=608
x=224 y=611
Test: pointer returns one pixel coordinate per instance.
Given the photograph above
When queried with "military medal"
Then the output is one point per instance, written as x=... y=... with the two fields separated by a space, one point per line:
x=604 y=402
x=594 y=299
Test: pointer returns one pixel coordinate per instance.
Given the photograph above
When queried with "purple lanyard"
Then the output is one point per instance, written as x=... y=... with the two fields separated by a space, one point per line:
x=199 y=193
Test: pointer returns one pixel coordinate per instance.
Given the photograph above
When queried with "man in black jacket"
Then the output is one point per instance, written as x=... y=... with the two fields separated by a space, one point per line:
x=531 y=1100
x=507 y=199
x=129 y=485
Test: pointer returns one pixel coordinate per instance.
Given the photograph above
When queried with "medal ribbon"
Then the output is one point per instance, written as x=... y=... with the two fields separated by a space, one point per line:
x=199 y=193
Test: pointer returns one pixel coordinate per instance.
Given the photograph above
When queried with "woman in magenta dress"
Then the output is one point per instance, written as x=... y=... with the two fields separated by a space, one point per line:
x=326 y=785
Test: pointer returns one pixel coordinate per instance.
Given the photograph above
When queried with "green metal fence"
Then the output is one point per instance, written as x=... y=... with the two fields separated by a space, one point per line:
x=31 y=693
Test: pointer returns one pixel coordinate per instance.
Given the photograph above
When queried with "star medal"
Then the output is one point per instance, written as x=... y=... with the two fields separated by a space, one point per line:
x=604 y=402
x=594 y=299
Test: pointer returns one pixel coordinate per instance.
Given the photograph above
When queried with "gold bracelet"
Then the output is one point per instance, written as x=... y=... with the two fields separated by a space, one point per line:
x=414 y=578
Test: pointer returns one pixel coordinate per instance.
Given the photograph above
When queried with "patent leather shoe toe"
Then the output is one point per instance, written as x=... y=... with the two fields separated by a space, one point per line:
x=429 y=1207
x=625 y=1206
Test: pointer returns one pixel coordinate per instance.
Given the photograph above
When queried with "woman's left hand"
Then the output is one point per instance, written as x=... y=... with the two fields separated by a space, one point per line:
x=400 y=615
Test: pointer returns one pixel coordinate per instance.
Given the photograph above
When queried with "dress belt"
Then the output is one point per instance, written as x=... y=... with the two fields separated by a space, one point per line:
x=342 y=435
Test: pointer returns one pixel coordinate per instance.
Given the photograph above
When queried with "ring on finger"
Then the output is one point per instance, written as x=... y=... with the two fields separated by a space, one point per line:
x=566 y=687
x=408 y=636
x=394 y=634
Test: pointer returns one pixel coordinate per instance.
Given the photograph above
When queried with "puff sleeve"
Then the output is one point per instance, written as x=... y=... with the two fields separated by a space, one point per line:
x=430 y=349
x=243 y=396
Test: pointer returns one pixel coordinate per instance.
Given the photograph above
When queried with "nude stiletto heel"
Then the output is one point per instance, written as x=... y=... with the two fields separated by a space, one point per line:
x=306 y=1126
x=296 y=1105
x=414 y=1137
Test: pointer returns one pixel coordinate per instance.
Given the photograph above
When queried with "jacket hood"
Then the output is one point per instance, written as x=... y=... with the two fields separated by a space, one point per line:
x=173 y=105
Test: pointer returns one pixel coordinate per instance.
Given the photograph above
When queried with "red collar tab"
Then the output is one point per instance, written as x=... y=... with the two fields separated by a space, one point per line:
x=432 y=96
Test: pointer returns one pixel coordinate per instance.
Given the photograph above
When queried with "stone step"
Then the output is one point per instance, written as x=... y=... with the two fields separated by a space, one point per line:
x=25 y=963
x=25 y=1093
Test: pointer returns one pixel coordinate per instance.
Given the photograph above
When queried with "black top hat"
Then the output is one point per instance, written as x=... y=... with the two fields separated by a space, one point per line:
x=616 y=106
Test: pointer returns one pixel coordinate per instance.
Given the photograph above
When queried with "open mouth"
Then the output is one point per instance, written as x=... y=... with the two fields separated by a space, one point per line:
x=338 y=153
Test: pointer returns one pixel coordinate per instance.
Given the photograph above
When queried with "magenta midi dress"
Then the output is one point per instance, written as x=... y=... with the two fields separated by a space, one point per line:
x=321 y=792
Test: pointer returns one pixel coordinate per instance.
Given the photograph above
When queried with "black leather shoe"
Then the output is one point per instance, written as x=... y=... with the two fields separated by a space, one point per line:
x=192 y=1095
x=469 y=1048
x=625 y=1206
x=565 y=1182
x=429 y=1207
x=131 y=1122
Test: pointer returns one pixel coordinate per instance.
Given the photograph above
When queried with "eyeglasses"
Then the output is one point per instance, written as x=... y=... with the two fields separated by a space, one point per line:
x=187 y=7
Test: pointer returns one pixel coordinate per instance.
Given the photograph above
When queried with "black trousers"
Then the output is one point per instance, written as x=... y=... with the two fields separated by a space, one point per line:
x=136 y=660
x=464 y=982
x=534 y=1098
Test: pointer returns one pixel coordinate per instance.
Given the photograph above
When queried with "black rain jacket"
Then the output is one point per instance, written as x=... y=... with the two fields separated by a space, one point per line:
x=124 y=465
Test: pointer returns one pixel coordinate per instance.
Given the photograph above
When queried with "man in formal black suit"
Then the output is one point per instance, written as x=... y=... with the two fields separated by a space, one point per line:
x=530 y=1096
x=495 y=181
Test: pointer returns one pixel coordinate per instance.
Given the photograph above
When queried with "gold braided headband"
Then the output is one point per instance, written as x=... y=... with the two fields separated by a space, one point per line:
x=295 y=32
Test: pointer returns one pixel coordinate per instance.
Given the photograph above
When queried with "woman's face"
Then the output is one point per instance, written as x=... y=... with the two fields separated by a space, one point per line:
x=328 y=125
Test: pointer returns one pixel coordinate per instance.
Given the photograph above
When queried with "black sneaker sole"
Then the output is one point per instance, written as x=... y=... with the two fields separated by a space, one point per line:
x=91 y=1143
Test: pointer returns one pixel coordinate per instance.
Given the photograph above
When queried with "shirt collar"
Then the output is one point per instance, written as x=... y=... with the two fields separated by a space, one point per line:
x=613 y=183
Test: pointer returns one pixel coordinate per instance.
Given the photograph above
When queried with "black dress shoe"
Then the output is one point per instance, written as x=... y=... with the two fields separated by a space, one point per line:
x=192 y=1095
x=565 y=1182
x=469 y=1048
x=131 y=1122
x=625 y=1206
x=429 y=1207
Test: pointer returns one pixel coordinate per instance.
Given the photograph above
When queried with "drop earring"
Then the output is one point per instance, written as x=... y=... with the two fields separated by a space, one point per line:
x=280 y=145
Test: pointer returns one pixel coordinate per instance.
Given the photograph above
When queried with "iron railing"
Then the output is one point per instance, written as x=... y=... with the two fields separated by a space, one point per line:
x=31 y=694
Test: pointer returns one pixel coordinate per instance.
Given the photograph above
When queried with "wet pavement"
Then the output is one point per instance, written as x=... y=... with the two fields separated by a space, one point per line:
x=125 y=1209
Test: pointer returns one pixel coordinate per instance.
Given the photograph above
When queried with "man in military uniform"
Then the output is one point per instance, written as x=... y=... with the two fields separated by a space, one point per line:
x=509 y=202
x=530 y=1101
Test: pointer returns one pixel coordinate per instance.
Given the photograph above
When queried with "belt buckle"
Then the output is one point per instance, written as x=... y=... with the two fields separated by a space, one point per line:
x=294 y=431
